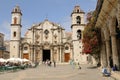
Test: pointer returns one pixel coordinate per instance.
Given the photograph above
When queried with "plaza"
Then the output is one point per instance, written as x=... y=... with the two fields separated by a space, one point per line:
x=94 y=38
x=60 y=72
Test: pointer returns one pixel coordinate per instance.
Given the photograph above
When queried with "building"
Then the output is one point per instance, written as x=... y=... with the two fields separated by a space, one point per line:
x=108 y=20
x=48 y=40
x=7 y=49
x=2 y=48
x=77 y=26
x=3 y=52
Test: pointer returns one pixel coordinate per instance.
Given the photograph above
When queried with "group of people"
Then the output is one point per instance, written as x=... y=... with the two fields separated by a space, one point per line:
x=112 y=66
x=49 y=63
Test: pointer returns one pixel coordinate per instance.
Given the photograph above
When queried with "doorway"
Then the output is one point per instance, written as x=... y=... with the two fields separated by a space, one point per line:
x=46 y=55
x=26 y=56
x=66 y=57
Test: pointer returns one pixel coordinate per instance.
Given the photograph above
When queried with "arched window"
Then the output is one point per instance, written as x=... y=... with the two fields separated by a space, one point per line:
x=66 y=47
x=14 y=34
x=78 y=20
x=25 y=48
x=15 y=20
x=46 y=32
x=79 y=34
x=15 y=10
x=77 y=10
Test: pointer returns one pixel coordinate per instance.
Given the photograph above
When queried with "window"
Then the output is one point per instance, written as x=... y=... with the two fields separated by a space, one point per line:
x=55 y=36
x=46 y=32
x=77 y=10
x=15 y=10
x=25 y=48
x=78 y=20
x=15 y=20
x=66 y=47
x=14 y=34
x=55 y=42
x=79 y=34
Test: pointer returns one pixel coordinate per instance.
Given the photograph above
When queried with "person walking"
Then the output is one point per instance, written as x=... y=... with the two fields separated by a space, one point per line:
x=79 y=67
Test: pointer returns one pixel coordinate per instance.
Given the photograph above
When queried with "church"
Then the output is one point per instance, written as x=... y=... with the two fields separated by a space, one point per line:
x=48 y=40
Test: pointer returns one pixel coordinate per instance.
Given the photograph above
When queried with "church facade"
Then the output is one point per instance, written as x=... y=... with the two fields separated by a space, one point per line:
x=48 y=40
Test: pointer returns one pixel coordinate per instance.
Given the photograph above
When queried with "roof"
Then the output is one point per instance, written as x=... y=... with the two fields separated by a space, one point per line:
x=46 y=20
x=16 y=9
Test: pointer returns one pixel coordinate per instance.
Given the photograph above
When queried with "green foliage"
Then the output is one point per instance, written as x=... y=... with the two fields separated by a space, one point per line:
x=91 y=36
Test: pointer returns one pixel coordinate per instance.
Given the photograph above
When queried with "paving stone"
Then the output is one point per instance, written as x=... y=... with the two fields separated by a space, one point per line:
x=61 y=72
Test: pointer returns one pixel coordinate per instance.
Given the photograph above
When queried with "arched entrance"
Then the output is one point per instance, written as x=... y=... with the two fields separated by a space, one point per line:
x=46 y=55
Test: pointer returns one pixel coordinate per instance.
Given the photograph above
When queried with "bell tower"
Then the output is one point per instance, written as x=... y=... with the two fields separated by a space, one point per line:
x=77 y=27
x=15 y=32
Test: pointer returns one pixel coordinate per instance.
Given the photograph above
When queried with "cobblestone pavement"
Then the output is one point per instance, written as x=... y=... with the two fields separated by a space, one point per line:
x=60 y=72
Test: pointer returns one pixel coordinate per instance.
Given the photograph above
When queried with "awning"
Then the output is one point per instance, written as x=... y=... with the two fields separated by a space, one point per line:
x=2 y=48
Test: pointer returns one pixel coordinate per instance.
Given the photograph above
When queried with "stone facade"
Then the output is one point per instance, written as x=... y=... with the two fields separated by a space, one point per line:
x=108 y=21
x=47 y=40
x=15 y=32
x=3 y=52
x=78 y=24
x=1 y=44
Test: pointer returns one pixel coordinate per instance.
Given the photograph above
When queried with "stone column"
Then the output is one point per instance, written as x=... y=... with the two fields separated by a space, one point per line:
x=103 y=56
x=71 y=57
x=20 y=54
x=41 y=58
x=103 y=52
x=41 y=36
x=60 y=55
x=52 y=34
x=114 y=49
x=107 y=43
x=52 y=52
x=34 y=53
x=119 y=14
x=30 y=53
x=114 y=42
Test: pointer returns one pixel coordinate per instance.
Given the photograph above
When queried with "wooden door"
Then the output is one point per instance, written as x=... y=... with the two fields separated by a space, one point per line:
x=26 y=56
x=66 y=57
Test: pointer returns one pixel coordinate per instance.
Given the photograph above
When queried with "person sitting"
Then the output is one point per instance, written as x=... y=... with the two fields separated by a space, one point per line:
x=114 y=68
x=105 y=72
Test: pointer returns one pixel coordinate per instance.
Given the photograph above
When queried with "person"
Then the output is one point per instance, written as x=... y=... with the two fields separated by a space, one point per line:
x=105 y=72
x=114 y=68
x=111 y=62
x=79 y=67
x=49 y=63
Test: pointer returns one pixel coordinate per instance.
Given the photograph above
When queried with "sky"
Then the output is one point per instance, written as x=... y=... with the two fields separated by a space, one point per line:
x=36 y=11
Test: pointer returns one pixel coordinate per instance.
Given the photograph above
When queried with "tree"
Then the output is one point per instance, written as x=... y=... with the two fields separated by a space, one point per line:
x=91 y=35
